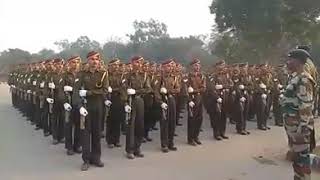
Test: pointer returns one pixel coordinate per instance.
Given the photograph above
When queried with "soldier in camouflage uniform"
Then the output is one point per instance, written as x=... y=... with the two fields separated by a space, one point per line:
x=297 y=107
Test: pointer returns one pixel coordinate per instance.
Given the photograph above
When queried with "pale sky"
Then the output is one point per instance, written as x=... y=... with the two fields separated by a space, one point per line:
x=35 y=24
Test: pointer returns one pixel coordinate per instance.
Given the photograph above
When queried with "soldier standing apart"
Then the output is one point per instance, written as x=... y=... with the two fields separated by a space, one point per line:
x=297 y=107
x=138 y=85
x=72 y=115
x=92 y=87
x=196 y=87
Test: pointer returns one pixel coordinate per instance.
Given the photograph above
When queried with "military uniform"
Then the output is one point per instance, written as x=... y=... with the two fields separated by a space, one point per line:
x=138 y=84
x=90 y=92
x=196 y=87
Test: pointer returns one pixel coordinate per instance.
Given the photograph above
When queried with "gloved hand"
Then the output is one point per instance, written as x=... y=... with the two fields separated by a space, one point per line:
x=34 y=83
x=52 y=85
x=29 y=91
x=219 y=100
x=50 y=100
x=67 y=89
x=163 y=90
x=127 y=109
x=264 y=96
x=67 y=107
x=243 y=99
x=83 y=93
x=83 y=111
x=109 y=89
x=107 y=103
x=164 y=106
x=42 y=85
x=191 y=104
x=190 y=90
x=131 y=91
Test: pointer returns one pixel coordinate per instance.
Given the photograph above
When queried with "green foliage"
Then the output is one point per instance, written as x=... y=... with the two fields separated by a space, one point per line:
x=253 y=30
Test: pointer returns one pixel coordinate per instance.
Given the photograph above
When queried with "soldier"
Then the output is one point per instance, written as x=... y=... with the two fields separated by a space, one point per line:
x=72 y=115
x=216 y=98
x=277 y=94
x=138 y=85
x=298 y=119
x=196 y=87
x=118 y=95
x=57 y=123
x=92 y=89
x=155 y=80
x=148 y=105
x=170 y=86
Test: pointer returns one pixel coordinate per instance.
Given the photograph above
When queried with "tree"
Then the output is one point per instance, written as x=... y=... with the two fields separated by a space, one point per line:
x=262 y=27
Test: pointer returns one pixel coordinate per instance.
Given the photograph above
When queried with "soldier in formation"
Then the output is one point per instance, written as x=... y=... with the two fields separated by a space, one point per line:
x=78 y=103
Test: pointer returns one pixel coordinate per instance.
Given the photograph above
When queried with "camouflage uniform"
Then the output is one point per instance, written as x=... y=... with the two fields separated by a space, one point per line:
x=297 y=107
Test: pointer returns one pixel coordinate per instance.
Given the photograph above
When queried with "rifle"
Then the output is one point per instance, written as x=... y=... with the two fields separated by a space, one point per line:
x=51 y=95
x=83 y=118
x=67 y=113
x=164 y=111
x=107 y=109
x=190 y=109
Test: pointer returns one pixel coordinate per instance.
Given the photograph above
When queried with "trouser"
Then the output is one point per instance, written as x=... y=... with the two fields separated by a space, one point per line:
x=72 y=130
x=45 y=118
x=195 y=121
x=277 y=113
x=148 y=121
x=168 y=124
x=91 y=134
x=300 y=146
x=261 y=112
x=57 y=121
x=218 y=122
x=135 y=129
x=116 y=116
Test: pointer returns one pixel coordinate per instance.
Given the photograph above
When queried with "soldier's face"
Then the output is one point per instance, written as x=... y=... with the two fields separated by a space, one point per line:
x=94 y=62
x=136 y=65
x=292 y=64
x=196 y=67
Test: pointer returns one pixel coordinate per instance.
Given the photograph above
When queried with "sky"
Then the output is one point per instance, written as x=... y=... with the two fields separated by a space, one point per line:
x=36 y=24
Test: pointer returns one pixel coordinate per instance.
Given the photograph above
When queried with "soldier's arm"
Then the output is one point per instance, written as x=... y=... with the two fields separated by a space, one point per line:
x=76 y=99
x=305 y=96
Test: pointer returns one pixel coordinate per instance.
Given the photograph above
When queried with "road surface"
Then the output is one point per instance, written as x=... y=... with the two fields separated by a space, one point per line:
x=26 y=154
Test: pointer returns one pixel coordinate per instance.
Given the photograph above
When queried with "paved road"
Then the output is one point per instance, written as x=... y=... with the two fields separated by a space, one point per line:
x=26 y=154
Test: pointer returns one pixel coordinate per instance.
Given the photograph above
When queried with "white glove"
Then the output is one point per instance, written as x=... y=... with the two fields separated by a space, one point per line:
x=163 y=90
x=275 y=80
x=131 y=91
x=50 y=100
x=82 y=93
x=164 y=106
x=185 y=80
x=281 y=96
x=42 y=85
x=127 y=108
x=190 y=90
x=243 y=99
x=107 y=103
x=233 y=92
x=218 y=87
x=34 y=83
x=67 y=107
x=13 y=86
x=191 y=104
x=52 y=85
x=219 y=100
x=264 y=96
x=262 y=86
x=109 y=89
x=236 y=80
x=34 y=93
x=28 y=80
x=67 y=89
x=280 y=86
x=83 y=111
x=29 y=91
x=241 y=86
